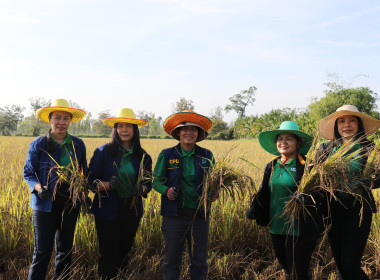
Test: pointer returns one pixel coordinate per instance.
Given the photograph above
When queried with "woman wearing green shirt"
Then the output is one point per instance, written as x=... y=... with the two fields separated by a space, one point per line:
x=178 y=177
x=281 y=175
x=352 y=205
x=114 y=172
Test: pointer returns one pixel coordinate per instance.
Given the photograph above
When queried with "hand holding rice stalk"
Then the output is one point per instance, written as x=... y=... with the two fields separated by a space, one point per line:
x=74 y=176
x=143 y=177
x=322 y=176
x=222 y=178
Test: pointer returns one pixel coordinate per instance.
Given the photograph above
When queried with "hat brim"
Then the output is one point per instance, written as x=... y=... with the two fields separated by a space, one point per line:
x=111 y=121
x=326 y=125
x=201 y=135
x=43 y=113
x=172 y=121
x=267 y=140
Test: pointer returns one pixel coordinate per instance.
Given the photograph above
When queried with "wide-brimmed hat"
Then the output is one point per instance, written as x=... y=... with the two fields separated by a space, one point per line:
x=60 y=105
x=187 y=118
x=126 y=115
x=267 y=139
x=326 y=125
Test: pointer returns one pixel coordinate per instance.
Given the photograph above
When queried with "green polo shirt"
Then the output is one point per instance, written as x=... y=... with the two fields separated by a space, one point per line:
x=126 y=174
x=189 y=197
x=67 y=154
x=282 y=185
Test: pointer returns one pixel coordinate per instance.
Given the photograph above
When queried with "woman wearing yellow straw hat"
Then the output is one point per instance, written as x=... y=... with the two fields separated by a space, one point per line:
x=281 y=175
x=351 y=206
x=54 y=218
x=120 y=172
x=178 y=177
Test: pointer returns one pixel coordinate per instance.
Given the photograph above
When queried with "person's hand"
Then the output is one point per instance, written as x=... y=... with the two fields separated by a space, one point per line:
x=303 y=198
x=212 y=196
x=43 y=193
x=114 y=183
x=171 y=193
x=250 y=213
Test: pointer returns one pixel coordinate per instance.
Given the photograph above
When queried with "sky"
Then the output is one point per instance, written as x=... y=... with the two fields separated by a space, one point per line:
x=147 y=54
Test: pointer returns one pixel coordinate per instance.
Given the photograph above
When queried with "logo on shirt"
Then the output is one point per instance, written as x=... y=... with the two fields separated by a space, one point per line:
x=293 y=169
x=173 y=163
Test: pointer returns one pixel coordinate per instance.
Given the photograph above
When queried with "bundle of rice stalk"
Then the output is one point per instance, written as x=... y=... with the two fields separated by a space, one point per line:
x=372 y=168
x=223 y=179
x=322 y=176
x=74 y=177
x=143 y=177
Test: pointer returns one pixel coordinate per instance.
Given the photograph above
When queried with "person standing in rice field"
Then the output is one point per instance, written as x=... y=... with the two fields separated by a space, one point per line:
x=54 y=218
x=351 y=206
x=281 y=175
x=120 y=172
x=178 y=177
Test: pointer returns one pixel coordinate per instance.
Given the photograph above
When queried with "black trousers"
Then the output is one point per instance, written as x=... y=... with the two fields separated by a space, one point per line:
x=294 y=254
x=348 y=237
x=116 y=239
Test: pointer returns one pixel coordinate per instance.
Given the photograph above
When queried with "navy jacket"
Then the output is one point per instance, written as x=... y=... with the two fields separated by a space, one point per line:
x=38 y=165
x=102 y=167
x=173 y=159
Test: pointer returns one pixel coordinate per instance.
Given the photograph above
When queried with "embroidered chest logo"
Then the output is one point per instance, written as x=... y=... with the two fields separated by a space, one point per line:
x=293 y=169
x=173 y=163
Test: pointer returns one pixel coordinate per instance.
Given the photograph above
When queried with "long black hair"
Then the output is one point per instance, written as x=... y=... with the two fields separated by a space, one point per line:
x=50 y=144
x=359 y=136
x=115 y=144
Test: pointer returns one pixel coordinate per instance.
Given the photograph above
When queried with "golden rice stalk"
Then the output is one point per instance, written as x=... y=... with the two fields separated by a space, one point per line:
x=75 y=178
x=221 y=179
x=372 y=168
x=323 y=176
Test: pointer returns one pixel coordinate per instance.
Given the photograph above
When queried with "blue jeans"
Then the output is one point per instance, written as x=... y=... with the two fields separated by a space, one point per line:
x=59 y=226
x=176 y=230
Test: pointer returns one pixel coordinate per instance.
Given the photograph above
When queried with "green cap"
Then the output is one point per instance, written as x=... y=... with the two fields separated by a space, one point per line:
x=267 y=139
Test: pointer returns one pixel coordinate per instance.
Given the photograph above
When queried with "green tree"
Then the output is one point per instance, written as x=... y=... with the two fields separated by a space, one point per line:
x=33 y=122
x=99 y=127
x=240 y=101
x=182 y=104
x=9 y=118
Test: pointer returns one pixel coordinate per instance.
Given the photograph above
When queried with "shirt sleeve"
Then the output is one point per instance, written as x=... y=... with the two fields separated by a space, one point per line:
x=159 y=174
x=30 y=171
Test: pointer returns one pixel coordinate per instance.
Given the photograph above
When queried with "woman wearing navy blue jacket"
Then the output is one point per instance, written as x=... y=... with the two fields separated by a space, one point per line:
x=54 y=218
x=115 y=173
x=178 y=177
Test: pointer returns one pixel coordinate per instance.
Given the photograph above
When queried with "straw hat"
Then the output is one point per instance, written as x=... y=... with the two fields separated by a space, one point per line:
x=267 y=139
x=326 y=125
x=126 y=115
x=60 y=105
x=187 y=118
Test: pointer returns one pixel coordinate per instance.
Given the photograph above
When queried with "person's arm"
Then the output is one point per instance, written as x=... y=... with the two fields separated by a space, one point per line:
x=30 y=171
x=96 y=172
x=159 y=175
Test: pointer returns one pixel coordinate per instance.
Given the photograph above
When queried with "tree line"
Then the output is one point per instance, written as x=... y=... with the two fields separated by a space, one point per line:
x=338 y=93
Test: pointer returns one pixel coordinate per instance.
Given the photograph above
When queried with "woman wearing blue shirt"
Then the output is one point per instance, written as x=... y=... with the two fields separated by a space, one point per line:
x=54 y=218
x=115 y=170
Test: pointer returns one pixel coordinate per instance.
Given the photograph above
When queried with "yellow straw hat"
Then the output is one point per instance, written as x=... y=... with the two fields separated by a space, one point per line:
x=126 y=115
x=187 y=118
x=326 y=125
x=60 y=105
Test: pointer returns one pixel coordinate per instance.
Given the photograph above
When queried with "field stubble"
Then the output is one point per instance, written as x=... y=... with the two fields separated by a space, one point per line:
x=238 y=248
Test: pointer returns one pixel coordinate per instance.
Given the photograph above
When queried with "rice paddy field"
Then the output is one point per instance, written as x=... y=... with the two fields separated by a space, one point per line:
x=238 y=248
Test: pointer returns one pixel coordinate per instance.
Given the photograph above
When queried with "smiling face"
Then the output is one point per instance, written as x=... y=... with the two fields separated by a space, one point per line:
x=188 y=136
x=60 y=122
x=125 y=131
x=287 y=145
x=348 y=127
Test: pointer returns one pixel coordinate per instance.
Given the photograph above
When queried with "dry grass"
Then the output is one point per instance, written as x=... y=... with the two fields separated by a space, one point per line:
x=238 y=249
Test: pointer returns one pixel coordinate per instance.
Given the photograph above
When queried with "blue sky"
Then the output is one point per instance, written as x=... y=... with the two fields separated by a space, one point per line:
x=147 y=54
